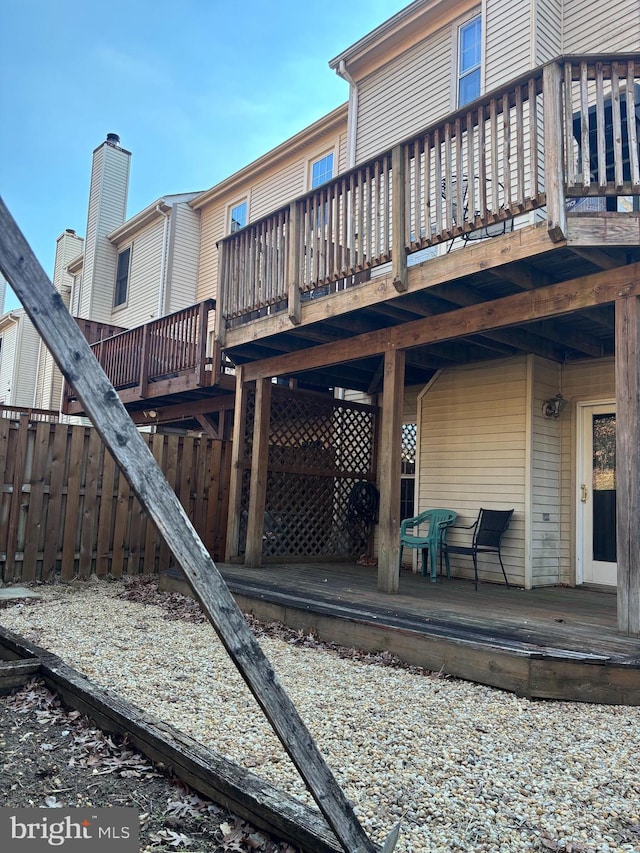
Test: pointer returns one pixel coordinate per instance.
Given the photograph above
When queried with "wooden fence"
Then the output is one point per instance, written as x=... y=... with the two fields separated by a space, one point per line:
x=67 y=510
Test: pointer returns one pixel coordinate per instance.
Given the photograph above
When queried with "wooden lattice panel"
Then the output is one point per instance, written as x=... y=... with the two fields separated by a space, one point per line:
x=319 y=448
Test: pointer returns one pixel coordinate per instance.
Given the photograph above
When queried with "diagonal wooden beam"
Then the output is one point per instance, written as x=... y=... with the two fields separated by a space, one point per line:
x=73 y=356
x=520 y=308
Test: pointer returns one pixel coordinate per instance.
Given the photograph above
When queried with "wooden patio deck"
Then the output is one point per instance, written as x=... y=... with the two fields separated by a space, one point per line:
x=552 y=642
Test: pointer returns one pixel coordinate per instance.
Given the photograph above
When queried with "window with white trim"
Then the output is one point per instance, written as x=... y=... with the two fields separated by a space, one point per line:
x=469 y=60
x=238 y=217
x=121 y=293
x=321 y=170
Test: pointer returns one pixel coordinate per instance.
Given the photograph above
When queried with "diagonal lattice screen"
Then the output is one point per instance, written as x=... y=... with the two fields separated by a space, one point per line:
x=320 y=448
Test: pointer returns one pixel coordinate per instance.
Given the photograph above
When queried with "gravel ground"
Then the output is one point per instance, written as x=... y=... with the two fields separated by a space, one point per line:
x=466 y=767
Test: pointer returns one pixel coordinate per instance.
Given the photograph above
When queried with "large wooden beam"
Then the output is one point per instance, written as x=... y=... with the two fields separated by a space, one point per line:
x=237 y=458
x=390 y=465
x=73 y=356
x=545 y=302
x=259 y=467
x=628 y=467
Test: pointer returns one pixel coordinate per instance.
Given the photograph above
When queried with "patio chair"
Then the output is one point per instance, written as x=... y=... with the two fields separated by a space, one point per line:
x=488 y=530
x=437 y=521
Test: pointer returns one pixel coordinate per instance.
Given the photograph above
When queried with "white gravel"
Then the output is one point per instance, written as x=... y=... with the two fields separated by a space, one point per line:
x=467 y=767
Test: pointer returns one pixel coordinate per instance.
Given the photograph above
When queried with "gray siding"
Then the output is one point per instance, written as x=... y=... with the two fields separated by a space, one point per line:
x=9 y=338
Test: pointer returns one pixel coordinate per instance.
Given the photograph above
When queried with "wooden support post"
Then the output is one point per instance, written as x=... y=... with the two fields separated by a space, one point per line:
x=553 y=153
x=398 y=219
x=220 y=324
x=237 y=468
x=143 y=379
x=73 y=356
x=293 y=262
x=201 y=342
x=628 y=467
x=259 y=466
x=391 y=441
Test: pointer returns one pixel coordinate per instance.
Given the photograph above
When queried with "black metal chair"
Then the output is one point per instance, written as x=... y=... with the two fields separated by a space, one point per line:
x=488 y=530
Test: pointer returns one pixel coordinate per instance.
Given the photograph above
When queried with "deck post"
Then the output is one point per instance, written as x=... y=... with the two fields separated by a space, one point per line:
x=398 y=220
x=237 y=458
x=391 y=441
x=259 y=466
x=553 y=152
x=293 y=263
x=220 y=325
x=627 y=353
x=113 y=424
x=143 y=380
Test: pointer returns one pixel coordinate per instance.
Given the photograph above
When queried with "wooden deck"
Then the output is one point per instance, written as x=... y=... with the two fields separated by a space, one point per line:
x=552 y=642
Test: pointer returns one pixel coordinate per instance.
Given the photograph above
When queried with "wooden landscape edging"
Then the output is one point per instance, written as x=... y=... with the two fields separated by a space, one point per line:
x=73 y=356
x=207 y=772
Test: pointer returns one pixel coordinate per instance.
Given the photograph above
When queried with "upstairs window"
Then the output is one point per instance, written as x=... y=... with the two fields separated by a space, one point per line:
x=469 y=60
x=122 y=277
x=238 y=217
x=321 y=170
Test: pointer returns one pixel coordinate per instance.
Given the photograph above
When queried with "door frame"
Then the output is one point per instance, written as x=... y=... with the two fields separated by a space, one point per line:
x=581 y=411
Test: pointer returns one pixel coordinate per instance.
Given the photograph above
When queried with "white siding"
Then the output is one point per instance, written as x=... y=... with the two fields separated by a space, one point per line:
x=144 y=278
x=182 y=265
x=607 y=26
x=405 y=95
x=107 y=210
x=472 y=453
x=581 y=382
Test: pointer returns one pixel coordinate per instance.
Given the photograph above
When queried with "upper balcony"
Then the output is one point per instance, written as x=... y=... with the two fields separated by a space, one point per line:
x=544 y=167
x=537 y=182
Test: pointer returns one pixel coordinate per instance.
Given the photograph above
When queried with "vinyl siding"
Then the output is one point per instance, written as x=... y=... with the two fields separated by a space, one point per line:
x=27 y=362
x=545 y=477
x=472 y=453
x=507 y=41
x=144 y=277
x=604 y=27
x=588 y=381
x=182 y=267
x=107 y=210
x=48 y=393
x=548 y=30
x=275 y=188
x=9 y=338
x=405 y=95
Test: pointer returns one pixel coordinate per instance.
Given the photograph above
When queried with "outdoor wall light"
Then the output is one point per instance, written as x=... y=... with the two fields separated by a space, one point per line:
x=552 y=408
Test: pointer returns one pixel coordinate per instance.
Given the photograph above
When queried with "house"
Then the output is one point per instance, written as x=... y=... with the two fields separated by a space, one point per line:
x=470 y=266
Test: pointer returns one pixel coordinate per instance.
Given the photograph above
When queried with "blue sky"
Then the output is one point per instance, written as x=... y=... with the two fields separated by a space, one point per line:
x=195 y=89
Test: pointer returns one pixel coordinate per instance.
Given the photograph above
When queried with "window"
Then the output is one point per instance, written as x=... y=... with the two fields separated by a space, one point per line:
x=321 y=170
x=238 y=217
x=122 y=277
x=469 y=58
x=408 y=470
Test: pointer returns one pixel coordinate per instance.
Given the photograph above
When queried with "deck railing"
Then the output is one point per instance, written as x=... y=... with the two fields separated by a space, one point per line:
x=170 y=347
x=528 y=145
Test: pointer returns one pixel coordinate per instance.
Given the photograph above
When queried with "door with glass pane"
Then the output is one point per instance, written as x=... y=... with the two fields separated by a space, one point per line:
x=597 y=494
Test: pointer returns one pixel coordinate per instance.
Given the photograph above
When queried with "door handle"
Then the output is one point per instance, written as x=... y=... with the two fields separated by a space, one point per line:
x=584 y=493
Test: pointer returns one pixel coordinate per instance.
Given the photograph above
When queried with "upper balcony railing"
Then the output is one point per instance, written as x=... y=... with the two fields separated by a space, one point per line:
x=566 y=129
x=151 y=357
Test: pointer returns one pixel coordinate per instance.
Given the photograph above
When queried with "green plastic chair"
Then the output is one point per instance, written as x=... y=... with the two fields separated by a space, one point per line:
x=437 y=521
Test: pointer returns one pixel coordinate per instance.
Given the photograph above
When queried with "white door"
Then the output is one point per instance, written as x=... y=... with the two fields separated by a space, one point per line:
x=597 y=494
